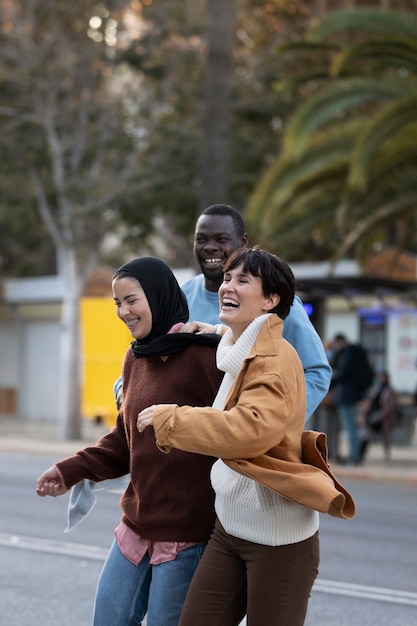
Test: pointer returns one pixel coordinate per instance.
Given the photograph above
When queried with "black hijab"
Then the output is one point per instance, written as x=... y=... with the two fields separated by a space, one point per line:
x=168 y=306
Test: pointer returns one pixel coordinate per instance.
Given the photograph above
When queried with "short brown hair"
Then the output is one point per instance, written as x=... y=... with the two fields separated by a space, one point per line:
x=275 y=274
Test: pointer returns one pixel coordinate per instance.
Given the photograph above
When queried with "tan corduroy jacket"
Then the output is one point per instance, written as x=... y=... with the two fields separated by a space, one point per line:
x=260 y=433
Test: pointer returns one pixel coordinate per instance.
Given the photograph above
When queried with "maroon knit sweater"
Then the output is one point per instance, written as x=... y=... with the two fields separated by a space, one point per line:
x=169 y=497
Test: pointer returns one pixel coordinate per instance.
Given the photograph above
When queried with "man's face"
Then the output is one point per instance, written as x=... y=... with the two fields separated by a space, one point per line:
x=214 y=241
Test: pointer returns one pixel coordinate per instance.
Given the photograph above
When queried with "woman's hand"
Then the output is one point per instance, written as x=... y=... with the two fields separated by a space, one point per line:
x=145 y=418
x=199 y=328
x=51 y=483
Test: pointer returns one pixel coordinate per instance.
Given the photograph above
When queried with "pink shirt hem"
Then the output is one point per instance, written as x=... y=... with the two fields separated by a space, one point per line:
x=133 y=547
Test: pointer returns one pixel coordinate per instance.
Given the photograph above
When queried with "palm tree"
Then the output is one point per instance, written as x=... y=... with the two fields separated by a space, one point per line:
x=347 y=175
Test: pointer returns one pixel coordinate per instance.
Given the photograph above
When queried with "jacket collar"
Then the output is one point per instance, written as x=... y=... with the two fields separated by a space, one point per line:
x=266 y=341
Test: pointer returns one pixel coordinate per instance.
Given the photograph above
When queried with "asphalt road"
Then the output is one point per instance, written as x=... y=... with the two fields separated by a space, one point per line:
x=368 y=570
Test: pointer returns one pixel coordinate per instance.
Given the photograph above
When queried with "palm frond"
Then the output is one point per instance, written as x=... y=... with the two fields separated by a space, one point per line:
x=347 y=174
x=388 y=52
x=394 y=157
x=393 y=119
x=367 y=20
x=401 y=205
x=326 y=151
x=332 y=103
x=308 y=222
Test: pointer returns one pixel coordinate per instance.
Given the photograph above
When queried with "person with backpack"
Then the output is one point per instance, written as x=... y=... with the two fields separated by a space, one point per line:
x=378 y=415
x=352 y=377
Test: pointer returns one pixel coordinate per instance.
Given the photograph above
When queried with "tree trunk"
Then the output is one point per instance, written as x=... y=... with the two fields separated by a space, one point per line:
x=215 y=148
x=69 y=423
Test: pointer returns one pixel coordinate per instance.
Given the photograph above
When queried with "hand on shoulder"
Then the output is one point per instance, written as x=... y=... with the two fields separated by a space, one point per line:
x=201 y=328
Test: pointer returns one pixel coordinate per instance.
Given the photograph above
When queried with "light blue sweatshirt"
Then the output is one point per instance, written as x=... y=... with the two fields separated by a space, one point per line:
x=298 y=331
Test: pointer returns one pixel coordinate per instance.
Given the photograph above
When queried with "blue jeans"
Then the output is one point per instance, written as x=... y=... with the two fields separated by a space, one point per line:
x=126 y=592
x=347 y=417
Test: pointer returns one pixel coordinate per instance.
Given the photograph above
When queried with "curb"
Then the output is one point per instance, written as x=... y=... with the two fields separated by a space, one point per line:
x=404 y=476
x=58 y=449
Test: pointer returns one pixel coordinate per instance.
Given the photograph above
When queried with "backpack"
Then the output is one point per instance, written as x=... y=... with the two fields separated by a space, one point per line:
x=364 y=374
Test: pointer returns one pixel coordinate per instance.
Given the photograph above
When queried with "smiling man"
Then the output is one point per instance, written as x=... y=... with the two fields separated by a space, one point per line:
x=219 y=231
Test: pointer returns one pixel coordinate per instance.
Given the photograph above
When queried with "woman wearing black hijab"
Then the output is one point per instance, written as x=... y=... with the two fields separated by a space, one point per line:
x=168 y=511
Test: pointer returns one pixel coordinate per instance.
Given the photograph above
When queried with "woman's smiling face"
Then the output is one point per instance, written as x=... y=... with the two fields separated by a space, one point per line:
x=132 y=306
x=242 y=299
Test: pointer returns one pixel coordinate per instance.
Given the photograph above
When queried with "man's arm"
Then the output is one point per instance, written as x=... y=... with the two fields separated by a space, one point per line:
x=300 y=332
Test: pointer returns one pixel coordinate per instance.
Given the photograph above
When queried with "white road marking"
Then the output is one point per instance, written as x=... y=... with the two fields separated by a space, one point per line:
x=53 y=547
x=380 y=594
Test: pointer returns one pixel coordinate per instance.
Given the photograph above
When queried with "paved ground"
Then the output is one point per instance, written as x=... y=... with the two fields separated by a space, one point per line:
x=41 y=438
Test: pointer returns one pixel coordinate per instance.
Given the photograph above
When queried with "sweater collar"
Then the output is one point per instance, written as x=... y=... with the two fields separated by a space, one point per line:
x=230 y=355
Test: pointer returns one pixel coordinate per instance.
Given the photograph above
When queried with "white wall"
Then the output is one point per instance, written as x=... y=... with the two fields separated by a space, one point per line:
x=346 y=322
x=9 y=353
x=39 y=370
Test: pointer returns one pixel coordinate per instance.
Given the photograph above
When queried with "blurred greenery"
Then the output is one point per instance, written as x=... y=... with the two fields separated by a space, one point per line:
x=103 y=127
x=78 y=112
x=345 y=182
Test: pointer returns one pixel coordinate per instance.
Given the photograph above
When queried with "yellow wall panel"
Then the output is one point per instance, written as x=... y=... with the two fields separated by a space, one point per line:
x=104 y=340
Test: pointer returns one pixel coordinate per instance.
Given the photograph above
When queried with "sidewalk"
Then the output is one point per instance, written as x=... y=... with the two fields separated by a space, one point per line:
x=41 y=438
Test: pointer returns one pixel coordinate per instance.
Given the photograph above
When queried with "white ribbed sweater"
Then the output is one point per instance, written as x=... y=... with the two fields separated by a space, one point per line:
x=245 y=508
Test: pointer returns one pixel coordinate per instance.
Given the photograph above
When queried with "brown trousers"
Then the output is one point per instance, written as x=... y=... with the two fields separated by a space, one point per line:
x=271 y=585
